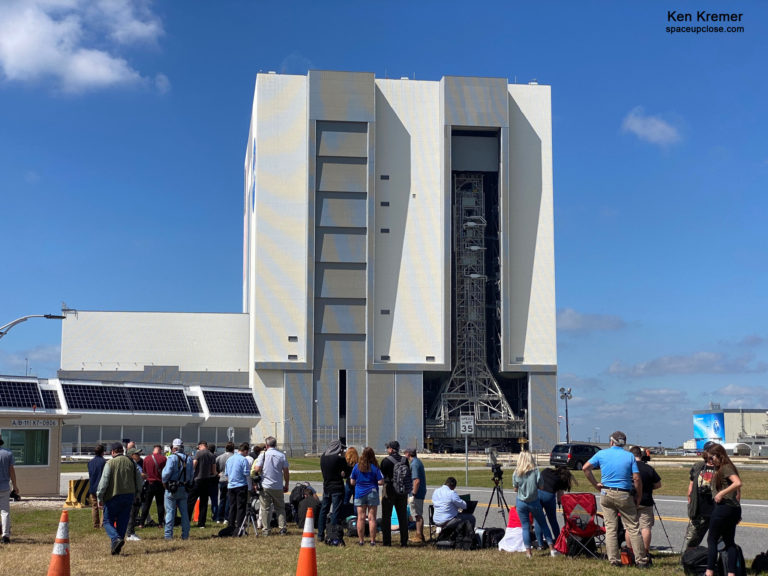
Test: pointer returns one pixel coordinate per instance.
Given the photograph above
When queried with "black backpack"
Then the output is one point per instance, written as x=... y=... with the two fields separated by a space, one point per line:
x=760 y=563
x=334 y=535
x=694 y=561
x=402 y=481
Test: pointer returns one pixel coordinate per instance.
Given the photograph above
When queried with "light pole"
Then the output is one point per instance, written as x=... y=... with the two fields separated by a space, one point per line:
x=7 y=327
x=560 y=420
x=565 y=394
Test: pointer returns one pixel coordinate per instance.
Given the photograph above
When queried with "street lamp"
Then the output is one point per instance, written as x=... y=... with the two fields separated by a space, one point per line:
x=565 y=394
x=560 y=420
x=7 y=327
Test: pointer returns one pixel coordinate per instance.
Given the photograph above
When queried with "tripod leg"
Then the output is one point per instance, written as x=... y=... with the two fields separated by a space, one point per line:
x=488 y=509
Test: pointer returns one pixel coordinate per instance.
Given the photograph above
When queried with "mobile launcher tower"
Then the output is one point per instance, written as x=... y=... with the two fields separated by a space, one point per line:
x=399 y=260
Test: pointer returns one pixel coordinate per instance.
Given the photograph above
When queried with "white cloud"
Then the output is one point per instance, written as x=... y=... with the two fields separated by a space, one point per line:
x=569 y=320
x=696 y=363
x=73 y=42
x=742 y=396
x=649 y=128
x=43 y=361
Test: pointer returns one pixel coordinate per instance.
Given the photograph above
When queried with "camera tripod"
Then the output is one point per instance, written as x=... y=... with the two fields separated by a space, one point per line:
x=501 y=502
x=251 y=514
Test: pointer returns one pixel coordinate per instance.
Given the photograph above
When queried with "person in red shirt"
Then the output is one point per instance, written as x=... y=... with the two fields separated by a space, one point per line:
x=153 y=468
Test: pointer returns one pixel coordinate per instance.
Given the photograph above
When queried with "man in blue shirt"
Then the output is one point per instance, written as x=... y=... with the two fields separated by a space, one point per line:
x=237 y=471
x=448 y=506
x=179 y=469
x=95 y=470
x=419 y=491
x=619 y=476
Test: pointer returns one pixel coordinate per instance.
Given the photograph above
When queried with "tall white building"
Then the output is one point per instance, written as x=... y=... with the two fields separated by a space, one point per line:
x=354 y=279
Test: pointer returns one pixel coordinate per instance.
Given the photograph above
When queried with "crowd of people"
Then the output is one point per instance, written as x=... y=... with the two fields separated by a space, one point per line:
x=125 y=486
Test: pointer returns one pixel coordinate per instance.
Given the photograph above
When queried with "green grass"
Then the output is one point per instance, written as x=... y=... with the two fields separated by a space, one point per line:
x=34 y=532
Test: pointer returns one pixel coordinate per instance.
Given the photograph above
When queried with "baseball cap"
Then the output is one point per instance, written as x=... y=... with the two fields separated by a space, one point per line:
x=178 y=442
x=394 y=444
x=619 y=438
x=132 y=451
x=116 y=447
x=410 y=452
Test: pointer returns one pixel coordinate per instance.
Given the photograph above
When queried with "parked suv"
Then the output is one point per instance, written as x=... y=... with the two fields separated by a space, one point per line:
x=573 y=455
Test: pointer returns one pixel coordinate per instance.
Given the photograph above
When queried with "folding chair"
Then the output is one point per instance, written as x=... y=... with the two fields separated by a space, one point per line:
x=583 y=528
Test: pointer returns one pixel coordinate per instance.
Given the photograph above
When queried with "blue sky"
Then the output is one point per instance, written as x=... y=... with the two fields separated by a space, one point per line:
x=123 y=130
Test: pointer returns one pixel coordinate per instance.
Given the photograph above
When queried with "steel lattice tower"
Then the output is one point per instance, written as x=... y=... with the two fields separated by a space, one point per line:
x=471 y=389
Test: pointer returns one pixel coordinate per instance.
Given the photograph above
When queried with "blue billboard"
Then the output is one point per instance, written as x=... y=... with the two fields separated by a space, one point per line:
x=708 y=427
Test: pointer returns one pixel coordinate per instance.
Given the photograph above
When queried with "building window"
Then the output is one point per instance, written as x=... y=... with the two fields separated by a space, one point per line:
x=29 y=447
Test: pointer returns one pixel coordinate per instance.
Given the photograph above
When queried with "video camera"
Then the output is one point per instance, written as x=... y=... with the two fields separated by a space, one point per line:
x=257 y=486
x=493 y=464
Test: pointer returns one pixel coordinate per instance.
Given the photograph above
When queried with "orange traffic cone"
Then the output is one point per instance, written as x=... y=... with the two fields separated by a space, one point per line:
x=307 y=557
x=60 y=556
x=196 y=513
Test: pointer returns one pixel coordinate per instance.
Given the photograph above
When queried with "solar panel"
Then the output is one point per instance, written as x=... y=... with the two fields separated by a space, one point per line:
x=102 y=398
x=125 y=399
x=230 y=402
x=50 y=399
x=19 y=394
x=194 y=404
x=157 y=400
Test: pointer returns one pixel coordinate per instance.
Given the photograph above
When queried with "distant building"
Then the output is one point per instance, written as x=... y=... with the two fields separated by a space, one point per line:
x=747 y=427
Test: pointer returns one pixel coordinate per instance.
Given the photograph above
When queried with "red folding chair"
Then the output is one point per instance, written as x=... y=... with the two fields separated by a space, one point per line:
x=583 y=528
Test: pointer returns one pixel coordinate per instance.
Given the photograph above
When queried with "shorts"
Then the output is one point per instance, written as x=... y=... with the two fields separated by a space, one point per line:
x=645 y=517
x=417 y=507
x=370 y=499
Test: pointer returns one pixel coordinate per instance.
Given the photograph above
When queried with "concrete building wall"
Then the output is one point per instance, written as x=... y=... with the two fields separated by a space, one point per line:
x=528 y=257
x=167 y=345
x=279 y=222
x=410 y=288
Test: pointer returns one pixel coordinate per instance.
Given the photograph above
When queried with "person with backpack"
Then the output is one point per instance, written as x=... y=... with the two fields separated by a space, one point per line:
x=398 y=484
x=333 y=465
x=177 y=475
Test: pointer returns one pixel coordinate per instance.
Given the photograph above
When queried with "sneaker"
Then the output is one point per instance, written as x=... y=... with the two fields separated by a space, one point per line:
x=554 y=553
x=133 y=538
x=616 y=564
x=6 y=540
x=283 y=531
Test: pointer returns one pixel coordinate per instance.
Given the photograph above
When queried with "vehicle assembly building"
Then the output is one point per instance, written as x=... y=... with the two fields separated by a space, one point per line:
x=398 y=274
x=400 y=258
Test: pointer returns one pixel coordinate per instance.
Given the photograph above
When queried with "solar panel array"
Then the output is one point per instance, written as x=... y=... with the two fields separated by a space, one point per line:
x=20 y=395
x=230 y=402
x=50 y=399
x=125 y=399
x=194 y=404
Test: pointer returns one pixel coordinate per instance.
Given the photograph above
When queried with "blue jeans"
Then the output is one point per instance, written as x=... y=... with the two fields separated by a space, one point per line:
x=533 y=507
x=117 y=510
x=171 y=501
x=548 y=502
x=332 y=502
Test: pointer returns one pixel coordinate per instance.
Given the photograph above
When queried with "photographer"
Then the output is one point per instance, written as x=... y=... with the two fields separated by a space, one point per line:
x=177 y=476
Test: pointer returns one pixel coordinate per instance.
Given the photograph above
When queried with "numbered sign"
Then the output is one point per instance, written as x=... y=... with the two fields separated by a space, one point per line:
x=467 y=424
